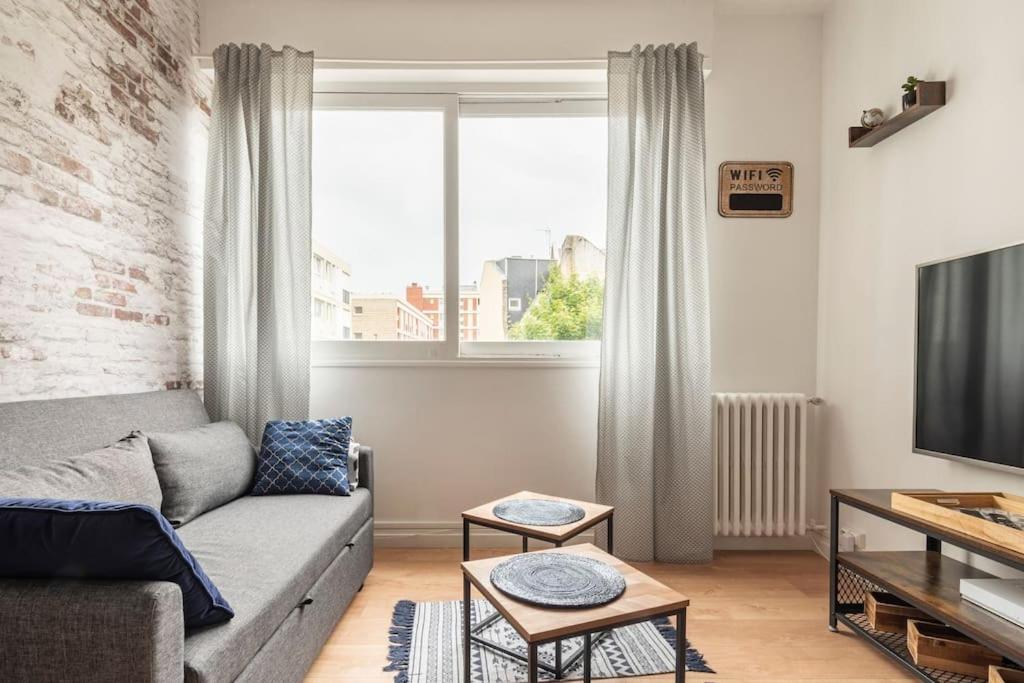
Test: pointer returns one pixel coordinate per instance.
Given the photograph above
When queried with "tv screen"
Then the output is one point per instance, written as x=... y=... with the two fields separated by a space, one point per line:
x=969 y=394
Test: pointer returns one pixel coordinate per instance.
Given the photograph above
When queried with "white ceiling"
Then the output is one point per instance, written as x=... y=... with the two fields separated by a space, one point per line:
x=772 y=6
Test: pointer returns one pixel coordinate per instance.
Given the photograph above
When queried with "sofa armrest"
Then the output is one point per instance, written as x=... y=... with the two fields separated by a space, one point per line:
x=98 y=630
x=366 y=468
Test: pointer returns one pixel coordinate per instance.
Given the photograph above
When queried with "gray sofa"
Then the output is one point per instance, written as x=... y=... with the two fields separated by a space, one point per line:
x=288 y=565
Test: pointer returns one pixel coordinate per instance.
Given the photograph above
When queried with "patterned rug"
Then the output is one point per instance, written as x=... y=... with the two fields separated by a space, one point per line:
x=426 y=647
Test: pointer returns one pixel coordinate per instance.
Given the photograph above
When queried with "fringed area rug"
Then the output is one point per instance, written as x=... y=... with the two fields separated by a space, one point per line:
x=426 y=647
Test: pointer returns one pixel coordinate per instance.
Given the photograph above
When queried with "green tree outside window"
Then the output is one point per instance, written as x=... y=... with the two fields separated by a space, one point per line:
x=567 y=308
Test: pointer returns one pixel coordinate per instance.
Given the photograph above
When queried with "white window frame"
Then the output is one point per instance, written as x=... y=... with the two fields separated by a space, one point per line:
x=389 y=350
x=562 y=100
x=585 y=351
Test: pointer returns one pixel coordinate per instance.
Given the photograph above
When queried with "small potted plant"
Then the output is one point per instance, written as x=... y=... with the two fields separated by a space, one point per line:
x=910 y=92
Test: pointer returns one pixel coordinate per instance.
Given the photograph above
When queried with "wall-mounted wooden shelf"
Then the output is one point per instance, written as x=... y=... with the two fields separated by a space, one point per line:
x=930 y=96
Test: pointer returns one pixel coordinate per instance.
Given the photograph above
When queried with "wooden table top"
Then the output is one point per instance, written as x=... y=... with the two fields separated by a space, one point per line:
x=594 y=513
x=879 y=502
x=644 y=598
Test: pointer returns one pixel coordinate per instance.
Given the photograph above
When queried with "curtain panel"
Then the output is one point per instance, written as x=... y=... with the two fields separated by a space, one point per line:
x=257 y=237
x=654 y=420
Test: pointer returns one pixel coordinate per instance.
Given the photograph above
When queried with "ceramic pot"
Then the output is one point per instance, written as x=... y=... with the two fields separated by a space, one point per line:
x=909 y=99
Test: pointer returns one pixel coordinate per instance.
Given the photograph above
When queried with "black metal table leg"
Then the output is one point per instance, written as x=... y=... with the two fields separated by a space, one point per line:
x=559 y=673
x=681 y=646
x=611 y=539
x=526 y=544
x=833 y=566
x=586 y=658
x=466 y=642
x=485 y=622
x=465 y=540
x=531 y=663
x=932 y=544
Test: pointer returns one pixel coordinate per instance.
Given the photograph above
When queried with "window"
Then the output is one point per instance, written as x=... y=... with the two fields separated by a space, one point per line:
x=378 y=211
x=532 y=191
x=501 y=205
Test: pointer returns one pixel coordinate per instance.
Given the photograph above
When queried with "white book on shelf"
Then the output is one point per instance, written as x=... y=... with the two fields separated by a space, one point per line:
x=1003 y=597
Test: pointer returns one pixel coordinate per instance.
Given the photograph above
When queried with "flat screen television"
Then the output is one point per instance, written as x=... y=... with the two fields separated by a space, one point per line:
x=969 y=369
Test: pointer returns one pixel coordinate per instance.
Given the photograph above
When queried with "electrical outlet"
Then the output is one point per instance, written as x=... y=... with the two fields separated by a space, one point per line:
x=850 y=540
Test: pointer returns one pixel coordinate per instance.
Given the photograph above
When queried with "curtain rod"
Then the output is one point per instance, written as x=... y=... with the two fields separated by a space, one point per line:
x=475 y=97
x=206 y=64
x=342 y=62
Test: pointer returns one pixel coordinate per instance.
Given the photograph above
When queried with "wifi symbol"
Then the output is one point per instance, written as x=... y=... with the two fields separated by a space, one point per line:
x=774 y=174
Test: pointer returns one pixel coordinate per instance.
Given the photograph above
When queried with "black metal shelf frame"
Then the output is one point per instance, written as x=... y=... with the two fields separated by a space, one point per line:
x=846 y=604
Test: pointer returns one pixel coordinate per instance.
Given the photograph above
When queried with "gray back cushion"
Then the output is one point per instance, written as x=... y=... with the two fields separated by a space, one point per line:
x=201 y=468
x=32 y=432
x=122 y=472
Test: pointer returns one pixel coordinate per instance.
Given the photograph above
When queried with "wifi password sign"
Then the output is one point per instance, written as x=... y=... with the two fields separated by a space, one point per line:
x=755 y=189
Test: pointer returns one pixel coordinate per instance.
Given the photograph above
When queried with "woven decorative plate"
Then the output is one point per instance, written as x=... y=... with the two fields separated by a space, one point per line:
x=558 y=580
x=538 y=512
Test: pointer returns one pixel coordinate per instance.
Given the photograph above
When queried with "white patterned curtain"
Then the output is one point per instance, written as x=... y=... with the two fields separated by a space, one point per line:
x=654 y=444
x=257 y=239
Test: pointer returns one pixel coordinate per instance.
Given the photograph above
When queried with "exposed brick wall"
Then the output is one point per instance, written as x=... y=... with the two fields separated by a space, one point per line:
x=103 y=119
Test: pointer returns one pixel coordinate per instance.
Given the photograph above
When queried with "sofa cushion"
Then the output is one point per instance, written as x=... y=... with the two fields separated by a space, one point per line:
x=122 y=473
x=293 y=648
x=36 y=431
x=46 y=539
x=201 y=468
x=304 y=456
x=265 y=552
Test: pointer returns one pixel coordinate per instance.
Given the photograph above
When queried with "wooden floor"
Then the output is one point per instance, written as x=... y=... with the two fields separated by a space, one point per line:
x=756 y=616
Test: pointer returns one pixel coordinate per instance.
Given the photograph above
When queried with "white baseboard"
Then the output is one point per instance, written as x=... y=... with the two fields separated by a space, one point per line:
x=389 y=534
x=763 y=543
x=447 y=535
x=819 y=541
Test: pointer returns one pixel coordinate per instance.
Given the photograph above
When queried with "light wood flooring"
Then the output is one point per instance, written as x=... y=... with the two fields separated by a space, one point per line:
x=756 y=616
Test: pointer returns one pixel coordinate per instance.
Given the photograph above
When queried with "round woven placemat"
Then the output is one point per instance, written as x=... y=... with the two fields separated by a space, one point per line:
x=538 y=512
x=558 y=580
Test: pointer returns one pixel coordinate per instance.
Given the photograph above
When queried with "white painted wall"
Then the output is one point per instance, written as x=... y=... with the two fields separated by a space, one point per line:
x=448 y=437
x=456 y=29
x=941 y=187
x=763 y=103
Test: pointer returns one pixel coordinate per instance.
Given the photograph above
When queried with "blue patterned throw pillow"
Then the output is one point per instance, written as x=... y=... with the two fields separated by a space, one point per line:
x=304 y=456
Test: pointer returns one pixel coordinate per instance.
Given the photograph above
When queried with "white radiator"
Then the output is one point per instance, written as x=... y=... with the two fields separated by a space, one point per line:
x=759 y=445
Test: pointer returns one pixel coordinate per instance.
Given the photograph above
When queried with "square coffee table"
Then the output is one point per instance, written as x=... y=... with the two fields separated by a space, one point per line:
x=483 y=515
x=643 y=599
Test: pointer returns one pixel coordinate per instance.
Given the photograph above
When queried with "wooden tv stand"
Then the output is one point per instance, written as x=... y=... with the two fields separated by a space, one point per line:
x=925 y=578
